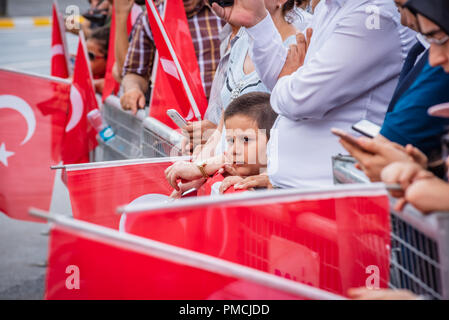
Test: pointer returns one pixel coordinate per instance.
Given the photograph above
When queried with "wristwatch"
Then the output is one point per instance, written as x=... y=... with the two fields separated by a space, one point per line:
x=202 y=165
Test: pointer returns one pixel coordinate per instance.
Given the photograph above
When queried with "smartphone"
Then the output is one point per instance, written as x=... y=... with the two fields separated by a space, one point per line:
x=348 y=138
x=190 y=193
x=367 y=128
x=440 y=110
x=177 y=118
x=222 y=3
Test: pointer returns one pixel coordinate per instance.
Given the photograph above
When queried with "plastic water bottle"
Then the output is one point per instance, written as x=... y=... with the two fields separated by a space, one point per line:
x=104 y=131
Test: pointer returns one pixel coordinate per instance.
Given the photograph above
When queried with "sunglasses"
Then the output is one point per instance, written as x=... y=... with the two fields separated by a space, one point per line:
x=93 y=57
x=440 y=42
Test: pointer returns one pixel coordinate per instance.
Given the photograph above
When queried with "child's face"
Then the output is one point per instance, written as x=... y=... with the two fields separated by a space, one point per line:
x=247 y=145
x=97 y=58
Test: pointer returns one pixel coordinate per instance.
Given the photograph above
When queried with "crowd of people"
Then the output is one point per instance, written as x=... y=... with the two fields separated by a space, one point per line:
x=325 y=64
x=332 y=74
x=280 y=74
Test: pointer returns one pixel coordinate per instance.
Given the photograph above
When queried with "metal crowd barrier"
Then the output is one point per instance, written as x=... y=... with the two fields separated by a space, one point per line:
x=136 y=136
x=419 y=244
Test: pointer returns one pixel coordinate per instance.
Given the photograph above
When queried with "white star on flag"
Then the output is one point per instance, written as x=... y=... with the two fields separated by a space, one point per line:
x=4 y=154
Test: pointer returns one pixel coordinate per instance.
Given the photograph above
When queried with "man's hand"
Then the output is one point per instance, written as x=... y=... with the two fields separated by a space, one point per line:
x=245 y=13
x=374 y=155
x=296 y=54
x=133 y=99
x=198 y=133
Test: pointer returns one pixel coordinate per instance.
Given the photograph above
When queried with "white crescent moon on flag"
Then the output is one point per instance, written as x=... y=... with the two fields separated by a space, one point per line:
x=22 y=107
x=77 y=105
x=56 y=50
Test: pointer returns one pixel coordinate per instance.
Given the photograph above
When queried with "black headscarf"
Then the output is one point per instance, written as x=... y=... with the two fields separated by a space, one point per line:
x=435 y=10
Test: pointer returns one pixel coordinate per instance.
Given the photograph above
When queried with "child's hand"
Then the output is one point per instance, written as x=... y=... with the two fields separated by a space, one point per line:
x=183 y=170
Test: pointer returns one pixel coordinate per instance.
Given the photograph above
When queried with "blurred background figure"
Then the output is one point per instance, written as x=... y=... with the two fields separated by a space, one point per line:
x=98 y=15
x=2 y=8
x=97 y=47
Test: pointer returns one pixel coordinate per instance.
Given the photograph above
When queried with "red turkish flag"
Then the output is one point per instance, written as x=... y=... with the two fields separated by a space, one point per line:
x=110 y=85
x=332 y=239
x=59 y=52
x=178 y=81
x=96 y=190
x=90 y=262
x=33 y=112
x=79 y=134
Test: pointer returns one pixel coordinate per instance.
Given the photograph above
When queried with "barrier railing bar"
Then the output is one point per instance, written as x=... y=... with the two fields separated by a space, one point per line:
x=193 y=259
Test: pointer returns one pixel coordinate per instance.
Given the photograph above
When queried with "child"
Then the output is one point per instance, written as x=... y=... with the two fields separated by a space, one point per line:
x=97 y=47
x=248 y=120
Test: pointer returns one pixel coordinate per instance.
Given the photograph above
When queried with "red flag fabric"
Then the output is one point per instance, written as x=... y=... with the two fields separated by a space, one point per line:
x=332 y=239
x=110 y=85
x=79 y=134
x=212 y=186
x=59 y=53
x=97 y=189
x=178 y=80
x=33 y=112
x=87 y=261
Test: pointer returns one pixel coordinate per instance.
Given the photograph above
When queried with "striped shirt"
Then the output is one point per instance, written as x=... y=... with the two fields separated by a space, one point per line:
x=204 y=28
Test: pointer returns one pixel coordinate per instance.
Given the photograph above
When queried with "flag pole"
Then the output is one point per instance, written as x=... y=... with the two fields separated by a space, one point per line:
x=60 y=23
x=191 y=258
x=192 y=101
x=118 y=163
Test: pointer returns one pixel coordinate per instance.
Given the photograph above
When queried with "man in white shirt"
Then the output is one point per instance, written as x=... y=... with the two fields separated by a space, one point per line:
x=349 y=73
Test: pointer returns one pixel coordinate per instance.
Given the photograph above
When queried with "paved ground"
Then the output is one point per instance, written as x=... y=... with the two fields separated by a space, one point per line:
x=23 y=251
x=28 y=49
x=24 y=8
x=23 y=248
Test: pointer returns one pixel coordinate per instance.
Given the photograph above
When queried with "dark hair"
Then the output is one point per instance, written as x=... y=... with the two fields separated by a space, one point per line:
x=256 y=106
x=101 y=35
x=290 y=5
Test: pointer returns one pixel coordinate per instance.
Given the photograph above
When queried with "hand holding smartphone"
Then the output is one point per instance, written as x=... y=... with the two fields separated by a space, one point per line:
x=346 y=137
